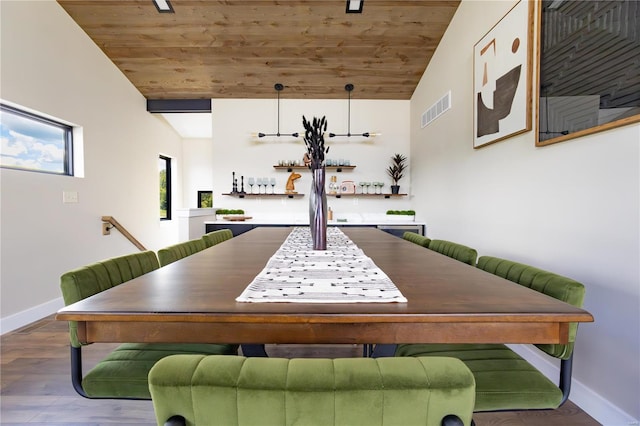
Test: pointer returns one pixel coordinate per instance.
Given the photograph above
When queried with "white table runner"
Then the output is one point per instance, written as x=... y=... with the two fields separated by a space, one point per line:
x=341 y=274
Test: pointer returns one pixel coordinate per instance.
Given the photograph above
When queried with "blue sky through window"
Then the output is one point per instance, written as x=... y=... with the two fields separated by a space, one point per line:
x=30 y=144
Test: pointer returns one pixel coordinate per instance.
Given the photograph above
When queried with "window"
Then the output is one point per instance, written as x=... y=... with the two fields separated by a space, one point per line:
x=35 y=143
x=164 y=167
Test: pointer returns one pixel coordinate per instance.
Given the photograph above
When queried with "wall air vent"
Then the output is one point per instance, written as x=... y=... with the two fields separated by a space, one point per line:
x=436 y=110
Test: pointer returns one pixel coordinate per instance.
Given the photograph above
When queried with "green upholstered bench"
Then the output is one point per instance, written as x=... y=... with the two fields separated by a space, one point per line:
x=216 y=237
x=504 y=380
x=123 y=373
x=416 y=238
x=218 y=390
x=178 y=251
x=454 y=250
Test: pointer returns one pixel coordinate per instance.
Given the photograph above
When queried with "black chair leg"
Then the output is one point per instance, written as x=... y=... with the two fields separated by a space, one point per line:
x=566 y=367
x=452 y=420
x=175 y=421
x=76 y=371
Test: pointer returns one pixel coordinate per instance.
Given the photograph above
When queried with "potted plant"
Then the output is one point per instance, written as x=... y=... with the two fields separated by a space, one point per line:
x=401 y=215
x=221 y=213
x=396 y=171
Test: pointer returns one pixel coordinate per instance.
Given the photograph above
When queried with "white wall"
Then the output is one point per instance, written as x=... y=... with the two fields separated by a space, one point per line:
x=50 y=65
x=572 y=208
x=234 y=149
x=198 y=170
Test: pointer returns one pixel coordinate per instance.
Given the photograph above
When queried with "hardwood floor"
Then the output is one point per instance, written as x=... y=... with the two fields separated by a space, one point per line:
x=36 y=387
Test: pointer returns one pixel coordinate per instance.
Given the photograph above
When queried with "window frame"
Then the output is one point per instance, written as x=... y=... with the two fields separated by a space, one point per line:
x=68 y=165
x=167 y=164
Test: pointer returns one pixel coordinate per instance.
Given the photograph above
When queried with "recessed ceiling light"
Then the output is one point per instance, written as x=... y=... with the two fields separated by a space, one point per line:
x=354 y=6
x=163 y=6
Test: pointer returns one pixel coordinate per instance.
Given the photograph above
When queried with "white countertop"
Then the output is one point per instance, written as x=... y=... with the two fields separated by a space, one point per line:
x=302 y=223
x=349 y=219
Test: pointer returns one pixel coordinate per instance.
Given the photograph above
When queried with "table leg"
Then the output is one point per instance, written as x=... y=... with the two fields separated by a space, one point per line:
x=254 y=351
x=386 y=350
x=367 y=350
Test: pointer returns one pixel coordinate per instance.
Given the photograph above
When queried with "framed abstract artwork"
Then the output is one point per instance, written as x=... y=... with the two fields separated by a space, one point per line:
x=502 y=63
x=588 y=68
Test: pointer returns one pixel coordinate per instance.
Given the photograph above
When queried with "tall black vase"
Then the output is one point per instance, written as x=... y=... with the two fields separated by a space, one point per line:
x=318 y=210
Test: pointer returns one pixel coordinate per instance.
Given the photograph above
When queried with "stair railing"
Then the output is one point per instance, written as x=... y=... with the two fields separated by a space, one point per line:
x=108 y=222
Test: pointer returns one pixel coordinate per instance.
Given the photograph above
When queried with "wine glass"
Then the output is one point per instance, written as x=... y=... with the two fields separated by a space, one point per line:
x=367 y=184
x=273 y=184
x=252 y=182
x=375 y=187
x=265 y=181
x=381 y=184
x=259 y=182
x=361 y=187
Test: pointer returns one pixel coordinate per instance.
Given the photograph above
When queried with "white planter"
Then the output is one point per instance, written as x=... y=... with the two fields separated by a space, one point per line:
x=400 y=218
x=222 y=216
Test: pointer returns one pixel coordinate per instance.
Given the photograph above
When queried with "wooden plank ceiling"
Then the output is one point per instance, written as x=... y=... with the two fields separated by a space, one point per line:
x=240 y=49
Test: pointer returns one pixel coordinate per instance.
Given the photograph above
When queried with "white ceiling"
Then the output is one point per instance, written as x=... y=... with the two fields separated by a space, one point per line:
x=191 y=125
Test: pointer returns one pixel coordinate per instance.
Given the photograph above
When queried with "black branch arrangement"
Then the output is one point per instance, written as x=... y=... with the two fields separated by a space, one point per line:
x=314 y=140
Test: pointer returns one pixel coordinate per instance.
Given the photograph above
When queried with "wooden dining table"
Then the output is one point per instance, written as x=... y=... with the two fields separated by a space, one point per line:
x=194 y=300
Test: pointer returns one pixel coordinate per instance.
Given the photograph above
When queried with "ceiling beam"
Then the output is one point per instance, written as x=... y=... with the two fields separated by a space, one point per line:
x=178 y=105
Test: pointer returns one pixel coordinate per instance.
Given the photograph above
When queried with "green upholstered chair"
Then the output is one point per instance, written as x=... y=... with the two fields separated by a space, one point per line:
x=416 y=238
x=504 y=380
x=178 y=251
x=454 y=250
x=123 y=373
x=232 y=391
x=216 y=237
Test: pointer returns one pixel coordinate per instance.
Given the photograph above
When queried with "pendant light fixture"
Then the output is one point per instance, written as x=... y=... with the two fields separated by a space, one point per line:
x=349 y=89
x=278 y=88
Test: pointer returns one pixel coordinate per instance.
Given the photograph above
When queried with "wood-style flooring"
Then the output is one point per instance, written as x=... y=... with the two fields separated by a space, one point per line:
x=36 y=387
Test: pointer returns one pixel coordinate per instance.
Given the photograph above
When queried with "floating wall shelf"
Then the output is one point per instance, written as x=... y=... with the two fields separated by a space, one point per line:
x=247 y=195
x=292 y=168
x=367 y=195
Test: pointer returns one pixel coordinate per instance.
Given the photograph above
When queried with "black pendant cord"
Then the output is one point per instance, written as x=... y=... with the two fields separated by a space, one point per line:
x=349 y=89
x=278 y=133
x=278 y=88
x=349 y=115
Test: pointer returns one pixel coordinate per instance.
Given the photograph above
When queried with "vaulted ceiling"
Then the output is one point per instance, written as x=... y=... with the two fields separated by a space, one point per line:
x=240 y=49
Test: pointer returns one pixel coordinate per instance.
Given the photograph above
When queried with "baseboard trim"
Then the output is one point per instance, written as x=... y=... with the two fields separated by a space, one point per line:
x=15 y=321
x=584 y=397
